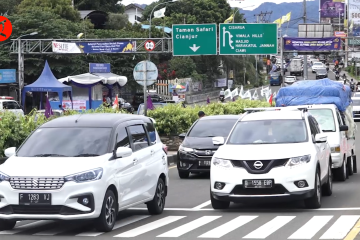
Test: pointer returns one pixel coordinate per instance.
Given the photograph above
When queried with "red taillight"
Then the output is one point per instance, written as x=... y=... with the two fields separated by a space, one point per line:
x=8 y=98
x=165 y=148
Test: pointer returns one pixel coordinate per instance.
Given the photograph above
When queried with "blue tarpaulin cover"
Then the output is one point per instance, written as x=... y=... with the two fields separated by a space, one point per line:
x=324 y=91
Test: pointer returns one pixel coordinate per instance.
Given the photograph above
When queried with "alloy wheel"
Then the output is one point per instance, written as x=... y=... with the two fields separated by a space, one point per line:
x=160 y=194
x=110 y=211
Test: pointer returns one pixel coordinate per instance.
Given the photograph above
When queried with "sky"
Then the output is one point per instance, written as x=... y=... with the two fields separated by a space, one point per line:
x=246 y=4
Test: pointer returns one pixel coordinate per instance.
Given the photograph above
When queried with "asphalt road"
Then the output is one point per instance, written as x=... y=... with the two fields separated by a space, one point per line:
x=188 y=215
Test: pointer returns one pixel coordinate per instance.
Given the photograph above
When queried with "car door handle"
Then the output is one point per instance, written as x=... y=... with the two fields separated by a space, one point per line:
x=152 y=152
x=135 y=161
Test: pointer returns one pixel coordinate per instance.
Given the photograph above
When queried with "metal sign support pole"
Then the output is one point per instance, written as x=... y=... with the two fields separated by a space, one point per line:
x=145 y=87
x=282 y=59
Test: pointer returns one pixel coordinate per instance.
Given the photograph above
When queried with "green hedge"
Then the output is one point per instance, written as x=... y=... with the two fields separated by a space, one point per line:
x=172 y=119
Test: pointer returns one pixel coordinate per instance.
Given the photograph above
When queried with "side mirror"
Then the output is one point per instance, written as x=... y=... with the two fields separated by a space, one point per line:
x=182 y=135
x=344 y=128
x=320 y=138
x=218 y=140
x=10 y=151
x=122 y=152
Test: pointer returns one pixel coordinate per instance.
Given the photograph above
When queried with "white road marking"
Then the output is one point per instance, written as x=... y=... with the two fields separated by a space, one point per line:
x=150 y=226
x=310 y=228
x=188 y=227
x=294 y=209
x=120 y=224
x=270 y=227
x=25 y=227
x=228 y=227
x=202 y=205
x=341 y=227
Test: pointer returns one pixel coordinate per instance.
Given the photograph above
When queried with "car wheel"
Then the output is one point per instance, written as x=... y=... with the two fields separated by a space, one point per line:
x=342 y=172
x=157 y=205
x=350 y=166
x=7 y=224
x=216 y=204
x=109 y=210
x=327 y=188
x=183 y=174
x=315 y=200
x=354 y=164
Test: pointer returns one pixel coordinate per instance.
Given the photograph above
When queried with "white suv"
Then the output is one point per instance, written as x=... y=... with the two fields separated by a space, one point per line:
x=87 y=166
x=272 y=156
x=10 y=105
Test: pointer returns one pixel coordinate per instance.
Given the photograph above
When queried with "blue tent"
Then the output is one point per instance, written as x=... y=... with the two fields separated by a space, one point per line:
x=47 y=82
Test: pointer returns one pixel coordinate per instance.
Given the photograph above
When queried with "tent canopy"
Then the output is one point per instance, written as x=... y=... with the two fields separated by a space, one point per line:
x=94 y=78
x=47 y=82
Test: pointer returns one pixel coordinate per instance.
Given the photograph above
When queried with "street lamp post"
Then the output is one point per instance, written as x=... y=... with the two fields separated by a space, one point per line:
x=20 y=62
x=238 y=9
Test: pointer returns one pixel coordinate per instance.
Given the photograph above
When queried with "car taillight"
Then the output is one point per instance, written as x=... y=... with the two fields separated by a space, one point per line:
x=165 y=148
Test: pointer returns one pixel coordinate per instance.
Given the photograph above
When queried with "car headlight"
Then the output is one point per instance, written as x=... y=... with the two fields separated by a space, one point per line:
x=4 y=177
x=296 y=161
x=87 y=176
x=218 y=162
x=335 y=149
x=185 y=149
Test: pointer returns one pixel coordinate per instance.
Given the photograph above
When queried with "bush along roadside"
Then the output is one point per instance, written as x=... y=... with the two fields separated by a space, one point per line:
x=171 y=119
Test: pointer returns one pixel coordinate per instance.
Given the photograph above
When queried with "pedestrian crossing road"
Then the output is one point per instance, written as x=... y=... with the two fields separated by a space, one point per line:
x=199 y=225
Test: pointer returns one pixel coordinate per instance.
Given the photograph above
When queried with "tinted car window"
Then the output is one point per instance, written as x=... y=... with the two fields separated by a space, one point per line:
x=139 y=137
x=269 y=132
x=69 y=142
x=10 y=105
x=122 y=138
x=212 y=128
x=151 y=130
x=321 y=71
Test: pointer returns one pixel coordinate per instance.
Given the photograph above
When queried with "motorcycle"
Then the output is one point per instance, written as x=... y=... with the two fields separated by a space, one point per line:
x=327 y=68
x=221 y=98
x=337 y=76
x=352 y=87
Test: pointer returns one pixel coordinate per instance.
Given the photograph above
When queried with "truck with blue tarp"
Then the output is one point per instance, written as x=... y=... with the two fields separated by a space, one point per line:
x=331 y=105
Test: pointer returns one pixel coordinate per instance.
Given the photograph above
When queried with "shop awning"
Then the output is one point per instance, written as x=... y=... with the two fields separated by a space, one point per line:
x=93 y=78
x=112 y=78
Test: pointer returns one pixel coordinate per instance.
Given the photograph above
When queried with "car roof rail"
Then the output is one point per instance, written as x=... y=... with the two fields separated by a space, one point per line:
x=250 y=110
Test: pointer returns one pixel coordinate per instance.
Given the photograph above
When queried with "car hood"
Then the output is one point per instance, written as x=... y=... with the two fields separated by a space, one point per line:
x=199 y=143
x=262 y=151
x=50 y=166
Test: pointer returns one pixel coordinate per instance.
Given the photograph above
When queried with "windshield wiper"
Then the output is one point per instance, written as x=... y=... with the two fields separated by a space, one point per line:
x=328 y=130
x=49 y=155
x=87 y=155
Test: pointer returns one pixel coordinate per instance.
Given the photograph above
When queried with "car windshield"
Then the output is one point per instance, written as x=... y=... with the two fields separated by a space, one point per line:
x=325 y=118
x=212 y=128
x=356 y=102
x=10 y=105
x=269 y=132
x=68 y=142
x=141 y=110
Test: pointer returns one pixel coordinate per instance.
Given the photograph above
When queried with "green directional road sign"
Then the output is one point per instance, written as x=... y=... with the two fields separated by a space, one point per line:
x=248 y=38
x=194 y=39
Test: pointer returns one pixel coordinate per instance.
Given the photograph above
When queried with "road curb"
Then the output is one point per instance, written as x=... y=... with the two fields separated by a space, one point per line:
x=172 y=159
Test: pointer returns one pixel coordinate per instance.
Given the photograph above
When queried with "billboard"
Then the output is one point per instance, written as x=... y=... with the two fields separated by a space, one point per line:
x=94 y=47
x=354 y=18
x=331 y=11
x=312 y=44
x=7 y=75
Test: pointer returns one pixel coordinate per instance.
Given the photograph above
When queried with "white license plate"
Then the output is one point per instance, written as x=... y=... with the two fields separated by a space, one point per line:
x=204 y=163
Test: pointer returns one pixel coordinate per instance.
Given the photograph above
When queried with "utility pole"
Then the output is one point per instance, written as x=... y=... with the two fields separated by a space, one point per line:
x=305 y=56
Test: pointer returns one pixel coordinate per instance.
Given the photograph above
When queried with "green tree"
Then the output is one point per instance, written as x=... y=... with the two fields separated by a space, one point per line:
x=183 y=66
x=62 y=8
x=100 y=5
x=117 y=21
x=8 y=6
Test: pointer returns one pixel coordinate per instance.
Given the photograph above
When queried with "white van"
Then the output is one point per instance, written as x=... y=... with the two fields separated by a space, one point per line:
x=9 y=104
x=340 y=129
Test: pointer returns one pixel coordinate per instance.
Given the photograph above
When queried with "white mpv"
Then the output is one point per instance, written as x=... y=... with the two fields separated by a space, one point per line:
x=87 y=166
x=271 y=156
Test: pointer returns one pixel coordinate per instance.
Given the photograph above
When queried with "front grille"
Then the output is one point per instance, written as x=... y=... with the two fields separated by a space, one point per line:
x=205 y=153
x=36 y=183
x=23 y=209
x=276 y=189
x=267 y=165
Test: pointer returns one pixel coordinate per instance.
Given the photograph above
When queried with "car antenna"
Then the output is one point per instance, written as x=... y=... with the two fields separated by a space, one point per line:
x=76 y=120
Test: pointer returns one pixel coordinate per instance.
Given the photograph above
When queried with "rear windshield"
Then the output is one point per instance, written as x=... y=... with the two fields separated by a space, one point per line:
x=318 y=63
x=322 y=71
x=325 y=118
x=356 y=102
x=212 y=128
x=11 y=105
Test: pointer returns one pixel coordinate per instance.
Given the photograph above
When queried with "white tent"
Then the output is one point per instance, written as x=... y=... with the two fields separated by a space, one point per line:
x=89 y=78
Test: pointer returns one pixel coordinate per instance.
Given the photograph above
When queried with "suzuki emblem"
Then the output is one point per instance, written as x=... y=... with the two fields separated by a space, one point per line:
x=258 y=165
x=35 y=183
